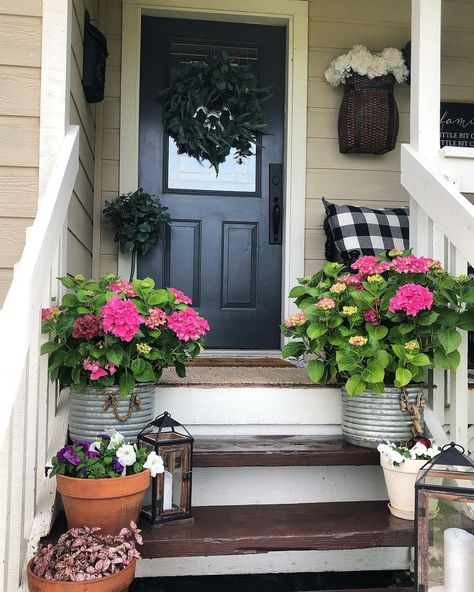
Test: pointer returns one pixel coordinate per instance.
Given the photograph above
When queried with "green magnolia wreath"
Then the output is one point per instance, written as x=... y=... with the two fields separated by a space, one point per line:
x=215 y=106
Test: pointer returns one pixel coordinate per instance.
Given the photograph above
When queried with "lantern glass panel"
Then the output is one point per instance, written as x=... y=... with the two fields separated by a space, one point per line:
x=173 y=480
x=446 y=556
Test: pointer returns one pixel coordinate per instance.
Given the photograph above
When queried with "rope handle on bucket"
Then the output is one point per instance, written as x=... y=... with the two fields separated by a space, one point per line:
x=112 y=401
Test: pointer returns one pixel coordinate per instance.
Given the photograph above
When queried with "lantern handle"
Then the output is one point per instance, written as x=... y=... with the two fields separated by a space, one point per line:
x=454 y=445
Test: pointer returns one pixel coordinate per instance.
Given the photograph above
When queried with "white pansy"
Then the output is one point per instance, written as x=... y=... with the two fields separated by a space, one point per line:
x=154 y=463
x=126 y=455
x=397 y=455
x=115 y=438
x=95 y=446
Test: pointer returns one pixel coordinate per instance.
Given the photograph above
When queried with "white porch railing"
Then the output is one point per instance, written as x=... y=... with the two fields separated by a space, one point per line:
x=441 y=218
x=442 y=227
x=33 y=418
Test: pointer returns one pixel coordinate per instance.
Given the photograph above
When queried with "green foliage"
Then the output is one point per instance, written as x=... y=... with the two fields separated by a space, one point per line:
x=219 y=85
x=137 y=220
x=350 y=335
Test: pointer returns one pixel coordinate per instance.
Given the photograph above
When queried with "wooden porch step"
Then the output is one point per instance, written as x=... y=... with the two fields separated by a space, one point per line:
x=237 y=530
x=278 y=451
x=391 y=589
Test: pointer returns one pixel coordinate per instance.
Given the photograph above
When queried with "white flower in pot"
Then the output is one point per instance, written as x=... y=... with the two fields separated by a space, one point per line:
x=401 y=464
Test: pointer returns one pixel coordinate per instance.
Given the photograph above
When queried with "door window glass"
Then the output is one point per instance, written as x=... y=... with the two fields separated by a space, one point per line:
x=184 y=173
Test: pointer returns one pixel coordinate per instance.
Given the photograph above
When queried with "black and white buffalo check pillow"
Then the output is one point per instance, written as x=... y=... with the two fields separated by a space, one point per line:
x=352 y=231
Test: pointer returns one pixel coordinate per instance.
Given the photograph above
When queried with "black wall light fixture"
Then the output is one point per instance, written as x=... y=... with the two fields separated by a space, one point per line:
x=95 y=59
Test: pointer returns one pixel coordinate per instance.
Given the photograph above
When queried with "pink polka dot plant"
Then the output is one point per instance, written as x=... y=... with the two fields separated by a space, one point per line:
x=381 y=322
x=112 y=332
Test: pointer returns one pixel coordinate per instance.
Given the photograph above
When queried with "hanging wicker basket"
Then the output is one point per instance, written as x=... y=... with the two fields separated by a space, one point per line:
x=368 y=117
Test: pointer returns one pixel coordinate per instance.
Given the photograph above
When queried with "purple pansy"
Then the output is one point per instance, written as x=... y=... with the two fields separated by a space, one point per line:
x=83 y=445
x=104 y=436
x=118 y=467
x=93 y=453
x=67 y=454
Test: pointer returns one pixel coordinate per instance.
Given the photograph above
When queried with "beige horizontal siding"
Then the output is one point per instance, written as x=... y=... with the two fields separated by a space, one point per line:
x=20 y=80
x=81 y=209
x=107 y=250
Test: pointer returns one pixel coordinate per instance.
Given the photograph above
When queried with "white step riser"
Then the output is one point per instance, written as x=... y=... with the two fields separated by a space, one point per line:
x=278 y=562
x=253 y=410
x=286 y=485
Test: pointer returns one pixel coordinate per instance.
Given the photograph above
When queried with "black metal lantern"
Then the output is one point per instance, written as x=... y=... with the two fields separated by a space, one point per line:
x=445 y=523
x=169 y=497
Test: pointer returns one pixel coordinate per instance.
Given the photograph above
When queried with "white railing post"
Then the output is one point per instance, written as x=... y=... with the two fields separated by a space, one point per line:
x=425 y=76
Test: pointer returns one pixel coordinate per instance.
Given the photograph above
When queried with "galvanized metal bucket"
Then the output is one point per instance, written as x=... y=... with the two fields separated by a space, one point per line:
x=87 y=417
x=368 y=419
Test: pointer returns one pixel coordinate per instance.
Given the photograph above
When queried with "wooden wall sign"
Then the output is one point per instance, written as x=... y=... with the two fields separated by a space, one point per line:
x=457 y=124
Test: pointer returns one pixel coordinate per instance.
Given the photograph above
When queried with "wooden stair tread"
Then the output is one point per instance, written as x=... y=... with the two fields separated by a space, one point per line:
x=274 y=451
x=236 y=530
x=391 y=589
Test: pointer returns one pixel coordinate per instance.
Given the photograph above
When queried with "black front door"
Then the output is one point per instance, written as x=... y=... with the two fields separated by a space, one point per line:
x=223 y=244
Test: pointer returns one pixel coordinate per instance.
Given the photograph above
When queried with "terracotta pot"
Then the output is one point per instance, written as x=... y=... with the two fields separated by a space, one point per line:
x=400 y=482
x=118 y=582
x=107 y=503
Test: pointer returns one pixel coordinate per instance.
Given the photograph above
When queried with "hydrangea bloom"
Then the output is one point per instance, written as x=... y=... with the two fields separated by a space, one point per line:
x=358 y=340
x=94 y=368
x=370 y=316
x=411 y=264
x=121 y=318
x=87 y=327
x=370 y=265
x=295 y=320
x=155 y=318
x=47 y=314
x=325 y=303
x=348 y=311
x=411 y=298
x=187 y=324
x=337 y=288
x=180 y=297
x=122 y=287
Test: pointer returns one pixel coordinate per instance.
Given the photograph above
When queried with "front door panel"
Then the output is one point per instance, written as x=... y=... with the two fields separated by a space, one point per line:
x=223 y=243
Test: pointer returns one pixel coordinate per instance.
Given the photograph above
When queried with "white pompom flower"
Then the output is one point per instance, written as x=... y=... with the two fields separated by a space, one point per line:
x=126 y=455
x=154 y=463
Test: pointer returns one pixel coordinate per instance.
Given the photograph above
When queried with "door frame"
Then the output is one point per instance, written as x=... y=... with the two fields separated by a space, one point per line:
x=293 y=14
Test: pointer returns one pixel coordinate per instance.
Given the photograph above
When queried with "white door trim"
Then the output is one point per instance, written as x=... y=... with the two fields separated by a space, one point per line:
x=293 y=13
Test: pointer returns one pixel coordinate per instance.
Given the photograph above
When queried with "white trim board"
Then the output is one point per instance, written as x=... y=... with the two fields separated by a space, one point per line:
x=293 y=13
x=378 y=558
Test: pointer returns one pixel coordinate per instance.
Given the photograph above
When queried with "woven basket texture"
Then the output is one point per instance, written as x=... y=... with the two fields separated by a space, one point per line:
x=368 y=117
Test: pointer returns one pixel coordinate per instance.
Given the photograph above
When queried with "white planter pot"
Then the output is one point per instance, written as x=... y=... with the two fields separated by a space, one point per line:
x=400 y=483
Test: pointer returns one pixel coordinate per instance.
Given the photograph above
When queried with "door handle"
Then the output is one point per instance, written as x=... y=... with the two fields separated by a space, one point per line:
x=275 y=203
x=276 y=215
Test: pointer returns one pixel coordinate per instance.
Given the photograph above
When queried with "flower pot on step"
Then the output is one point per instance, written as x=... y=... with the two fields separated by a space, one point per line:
x=118 y=582
x=368 y=419
x=400 y=482
x=92 y=411
x=110 y=504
